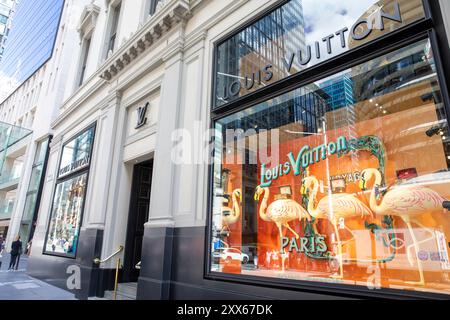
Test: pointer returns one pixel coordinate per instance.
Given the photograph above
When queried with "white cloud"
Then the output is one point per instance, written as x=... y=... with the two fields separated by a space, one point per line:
x=7 y=86
x=326 y=17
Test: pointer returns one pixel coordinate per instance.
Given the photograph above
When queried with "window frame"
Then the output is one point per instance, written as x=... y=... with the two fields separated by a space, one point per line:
x=431 y=26
x=153 y=4
x=39 y=191
x=84 y=59
x=148 y=10
x=3 y=19
x=112 y=6
x=115 y=17
x=59 y=180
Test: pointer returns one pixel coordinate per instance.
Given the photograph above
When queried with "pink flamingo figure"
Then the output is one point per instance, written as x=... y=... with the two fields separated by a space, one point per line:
x=281 y=212
x=334 y=208
x=407 y=202
x=232 y=215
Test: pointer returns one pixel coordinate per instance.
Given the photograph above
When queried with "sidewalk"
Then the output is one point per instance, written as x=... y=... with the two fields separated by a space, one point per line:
x=17 y=285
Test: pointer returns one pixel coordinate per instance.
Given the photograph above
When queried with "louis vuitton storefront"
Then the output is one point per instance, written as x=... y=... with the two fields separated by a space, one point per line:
x=326 y=170
x=331 y=167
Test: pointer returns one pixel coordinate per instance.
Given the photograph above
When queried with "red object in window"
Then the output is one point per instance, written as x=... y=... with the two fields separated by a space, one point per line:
x=406 y=174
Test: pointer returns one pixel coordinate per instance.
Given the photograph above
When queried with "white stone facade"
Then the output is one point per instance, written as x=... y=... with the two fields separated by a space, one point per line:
x=166 y=60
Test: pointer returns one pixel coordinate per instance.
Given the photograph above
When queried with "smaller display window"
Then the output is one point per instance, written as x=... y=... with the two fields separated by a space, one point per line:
x=69 y=197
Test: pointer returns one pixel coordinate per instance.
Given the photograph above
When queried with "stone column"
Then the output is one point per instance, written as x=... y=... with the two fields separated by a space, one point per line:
x=114 y=117
x=102 y=163
x=93 y=242
x=154 y=281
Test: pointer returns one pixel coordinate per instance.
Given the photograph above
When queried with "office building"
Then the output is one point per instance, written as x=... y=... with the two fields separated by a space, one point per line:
x=6 y=14
x=31 y=38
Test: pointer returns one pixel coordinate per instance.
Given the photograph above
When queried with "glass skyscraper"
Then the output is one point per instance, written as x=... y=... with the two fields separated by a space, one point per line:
x=266 y=42
x=340 y=91
x=31 y=39
x=6 y=10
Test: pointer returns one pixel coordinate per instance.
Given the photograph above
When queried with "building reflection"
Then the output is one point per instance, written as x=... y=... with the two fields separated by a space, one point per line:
x=265 y=42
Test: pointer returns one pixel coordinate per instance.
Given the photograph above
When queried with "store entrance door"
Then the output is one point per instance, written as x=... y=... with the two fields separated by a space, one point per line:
x=138 y=216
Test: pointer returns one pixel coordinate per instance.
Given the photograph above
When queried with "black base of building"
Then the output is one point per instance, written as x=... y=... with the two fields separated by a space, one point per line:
x=58 y=270
x=173 y=261
x=173 y=268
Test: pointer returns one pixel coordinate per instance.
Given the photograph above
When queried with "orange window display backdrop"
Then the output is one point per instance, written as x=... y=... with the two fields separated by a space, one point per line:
x=350 y=193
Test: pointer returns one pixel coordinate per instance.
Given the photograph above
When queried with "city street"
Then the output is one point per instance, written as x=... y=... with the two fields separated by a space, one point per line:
x=17 y=285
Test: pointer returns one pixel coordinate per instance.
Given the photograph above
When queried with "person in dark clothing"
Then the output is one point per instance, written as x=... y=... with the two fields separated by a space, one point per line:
x=16 y=251
x=2 y=248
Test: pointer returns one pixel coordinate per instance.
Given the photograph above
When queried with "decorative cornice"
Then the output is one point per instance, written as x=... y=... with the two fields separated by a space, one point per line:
x=88 y=19
x=194 y=38
x=173 y=49
x=112 y=100
x=67 y=109
x=170 y=14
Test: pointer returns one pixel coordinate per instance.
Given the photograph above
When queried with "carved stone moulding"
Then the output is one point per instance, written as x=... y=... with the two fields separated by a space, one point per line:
x=175 y=13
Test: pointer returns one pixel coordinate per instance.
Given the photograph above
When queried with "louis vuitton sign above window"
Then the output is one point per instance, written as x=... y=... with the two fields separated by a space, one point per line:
x=299 y=35
x=76 y=154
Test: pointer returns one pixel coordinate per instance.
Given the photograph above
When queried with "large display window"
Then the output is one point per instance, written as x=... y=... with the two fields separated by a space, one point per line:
x=340 y=181
x=69 y=197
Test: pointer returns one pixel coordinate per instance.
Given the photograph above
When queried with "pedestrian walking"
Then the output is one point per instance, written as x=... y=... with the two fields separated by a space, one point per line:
x=2 y=248
x=16 y=251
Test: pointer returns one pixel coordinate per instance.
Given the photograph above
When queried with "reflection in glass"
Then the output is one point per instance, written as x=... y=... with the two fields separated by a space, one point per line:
x=36 y=175
x=76 y=154
x=27 y=224
x=348 y=184
x=29 y=210
x=65 y=221
x=41 y=151
x=301 y=34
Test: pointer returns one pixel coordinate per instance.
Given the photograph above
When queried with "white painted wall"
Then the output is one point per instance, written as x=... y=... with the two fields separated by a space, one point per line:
x=129 y=22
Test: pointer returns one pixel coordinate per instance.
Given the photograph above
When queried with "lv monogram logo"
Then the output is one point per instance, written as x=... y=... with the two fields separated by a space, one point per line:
x=142 y=116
